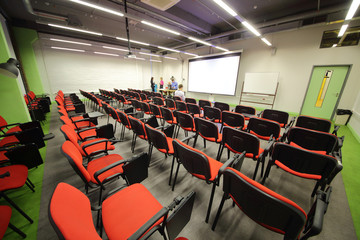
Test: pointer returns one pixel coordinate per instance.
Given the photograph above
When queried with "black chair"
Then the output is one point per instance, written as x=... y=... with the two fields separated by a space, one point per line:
x=136 y=104
x=158 y=101
x=168 y=116
x=190 y=100
x=125 y=123
x=247 y=111
x=170 y=103
x=238 y=141
x=302 y=163
x=201 y=166
x=194 y=110
x=181 y=106
x=145 y=108
x=263 y=128
x=222 y=106
x=203 y=103
x=270 y=209
x=186 y=122
x=232 y=119
x=275 y=115
x=208 y=131
x=162 y=141
x=138 y=128
x=155 y=111
x=177 y=98
x=313 y=123
x=212 y=114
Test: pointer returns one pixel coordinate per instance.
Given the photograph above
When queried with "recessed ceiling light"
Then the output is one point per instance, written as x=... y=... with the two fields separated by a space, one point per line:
x=199 y=41
x=251 y=28
x=117 y=49
x=153 y=60
x=169 y=49
x=226 y=7
x=160 y=27
x=107 y=54
x=68 y=49
x=266 y=41
x=342 y=30
x=170 y=58
x=98 y=7
x=73 y=42
x=133 y=41
x=74 y=29
x=354 y=6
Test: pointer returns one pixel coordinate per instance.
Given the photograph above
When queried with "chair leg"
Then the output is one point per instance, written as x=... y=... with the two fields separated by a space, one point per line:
x=16 y=207
x=210 y=202
x=228 y=153
x=29 y=185
x=267 y=172
x=221 y=149
x=176 y=173
x=18 y=231
x=196 y=137
x=171 y=171
x=204 y=143
x=218 y=212
x=256 y=168
x=28 y=180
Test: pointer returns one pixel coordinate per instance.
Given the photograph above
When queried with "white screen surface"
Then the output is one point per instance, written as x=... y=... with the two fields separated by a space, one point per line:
x=217 y=75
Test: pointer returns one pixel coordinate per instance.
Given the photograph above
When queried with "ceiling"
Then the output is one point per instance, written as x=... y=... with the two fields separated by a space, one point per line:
x=202 y=19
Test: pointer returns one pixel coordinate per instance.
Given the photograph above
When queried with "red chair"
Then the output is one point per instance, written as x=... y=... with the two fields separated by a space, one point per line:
x=159 y=140
x=208 y=131
x=263 y=128
x=130 y=213
x=12 y=177
x=190 y=100
x=194 y=110
x=181 y=106
x=318 y=124
x=186 y=122
x=170 y=103
x=222 y=106
x=138 y=128
x=203 y=103
x=213 y=114
x=270 y=209
x=124 y=119
x=302 y=163
x=168 y=116
x=275 y=115
x=5 y=217
x=246 y=111
x=232 y=119
x=201 y=166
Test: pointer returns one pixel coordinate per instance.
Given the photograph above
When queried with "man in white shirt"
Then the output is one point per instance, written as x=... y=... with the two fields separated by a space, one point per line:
x=180 y=93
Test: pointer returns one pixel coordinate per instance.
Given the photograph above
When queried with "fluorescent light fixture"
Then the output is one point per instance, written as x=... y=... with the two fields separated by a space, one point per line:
x=354 y=6
x=251 y=28
x=149 y=54
x=160 y=27
x=153 y=60
x=107 y=54
x=223 y=49
x=342 y=30
x=199 y=41
x=120 y=14
x=139 y=58
x=74 y=29
x=66 y=41
x=169 y=49
x=334 y=45
x=68 y=49
x=191 y=54
x=117 y=49
x=133 y=41
x=226 y=7
x=266 y=41
x=171 y=58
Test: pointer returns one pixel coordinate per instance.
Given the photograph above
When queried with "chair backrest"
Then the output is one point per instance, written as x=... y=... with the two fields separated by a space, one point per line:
x=232 y=119
x=264 y=206
x=123 y=118
x=158 y=101
x=70 y=214
x=313 y=123
x=181 y=106
x=157 y=138
x=113 y=114
x=167 y=114
x=239 y=141
x=155 y=110
x=137 y=104
x=203 y=103
x=194 y=161
x=138 y=126
x=170 y=103
x=222 y=106
x=264 y=128
x=312 y=140
x=177 y=98
x=193 y=108
x=303 y=161
x=145 y=107
x=207 y=129
x=212 y=113
x=190 y=100
x=75 y=159
x=66 y=120
x=186 y=121
x=245 y=109
x=276 y=115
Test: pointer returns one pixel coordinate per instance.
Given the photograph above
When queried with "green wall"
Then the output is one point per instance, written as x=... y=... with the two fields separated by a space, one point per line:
x=24 y=41
x=12 y=105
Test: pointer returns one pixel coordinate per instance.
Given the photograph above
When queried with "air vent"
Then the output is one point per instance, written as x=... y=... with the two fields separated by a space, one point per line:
x=162 y=5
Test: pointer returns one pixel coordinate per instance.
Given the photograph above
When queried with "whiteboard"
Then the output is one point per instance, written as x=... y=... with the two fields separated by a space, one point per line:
x=262 y=83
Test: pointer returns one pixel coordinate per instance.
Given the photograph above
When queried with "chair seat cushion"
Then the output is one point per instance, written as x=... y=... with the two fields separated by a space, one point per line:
x=299 y=174
x=14 y=129
x=249 y=155
x=8 y=141
x=2 y=156
x=298 y=146
x=88 y=133
x=214 y=169
x=99 y=163
x=17 y=178
x=97 y=147
x=212 y=139
x=170 y=146
x=127 y=210
x=84 y=124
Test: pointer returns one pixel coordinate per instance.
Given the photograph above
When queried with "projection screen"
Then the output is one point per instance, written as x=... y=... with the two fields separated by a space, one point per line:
x=214 y=74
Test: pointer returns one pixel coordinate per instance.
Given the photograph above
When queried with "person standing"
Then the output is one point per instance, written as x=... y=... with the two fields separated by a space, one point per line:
x=152 y=84
x=180 y=93
x=174 y=84
x=161 y=83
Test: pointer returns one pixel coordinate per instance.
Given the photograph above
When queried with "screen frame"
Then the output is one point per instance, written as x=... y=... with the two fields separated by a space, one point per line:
x=214 y=57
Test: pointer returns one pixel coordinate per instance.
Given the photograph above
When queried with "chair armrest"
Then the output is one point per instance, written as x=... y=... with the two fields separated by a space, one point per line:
x=260 y=113
x=107 y=168
x=82 y=120
x=86 y=129
x=188 y=138
x=94 y=143
x=316 y=214
x=269 y=146
x=336 y=128
x=236 y=160
x=9 y=125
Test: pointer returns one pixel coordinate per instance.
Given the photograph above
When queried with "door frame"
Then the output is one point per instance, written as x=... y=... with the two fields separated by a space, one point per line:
x=342 y=88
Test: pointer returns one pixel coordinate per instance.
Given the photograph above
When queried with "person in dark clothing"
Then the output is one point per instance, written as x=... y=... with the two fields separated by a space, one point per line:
x=152 y=84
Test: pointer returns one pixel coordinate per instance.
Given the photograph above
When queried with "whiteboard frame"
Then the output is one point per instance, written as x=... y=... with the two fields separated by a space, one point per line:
x=254 y=81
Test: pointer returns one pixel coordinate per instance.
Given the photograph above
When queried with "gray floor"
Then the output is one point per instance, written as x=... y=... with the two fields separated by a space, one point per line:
x=233 y=224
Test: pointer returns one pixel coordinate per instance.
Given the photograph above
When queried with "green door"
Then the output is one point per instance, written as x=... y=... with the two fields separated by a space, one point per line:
x=324 y=90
